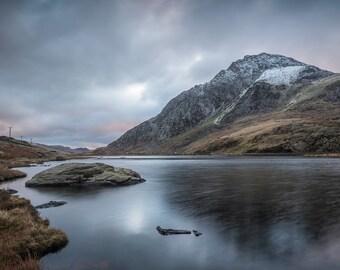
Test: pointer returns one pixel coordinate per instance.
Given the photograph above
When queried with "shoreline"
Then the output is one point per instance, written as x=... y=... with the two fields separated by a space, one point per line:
x=25 y=236
x=145 y=156
x=8 y=174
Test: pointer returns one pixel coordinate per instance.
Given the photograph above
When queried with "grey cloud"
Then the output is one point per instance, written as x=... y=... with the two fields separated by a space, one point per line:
x=68 y=69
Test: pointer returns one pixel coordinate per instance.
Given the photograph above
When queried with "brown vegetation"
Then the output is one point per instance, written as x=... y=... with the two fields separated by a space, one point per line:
x=25 y=237
x=15 y=153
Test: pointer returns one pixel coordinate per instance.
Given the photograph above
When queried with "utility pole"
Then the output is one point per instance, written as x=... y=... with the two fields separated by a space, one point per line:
x=10 y=132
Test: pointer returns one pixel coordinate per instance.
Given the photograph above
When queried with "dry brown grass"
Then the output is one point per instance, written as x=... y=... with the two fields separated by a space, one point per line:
x=246 y=129
x=25 y=237
x=15 y=153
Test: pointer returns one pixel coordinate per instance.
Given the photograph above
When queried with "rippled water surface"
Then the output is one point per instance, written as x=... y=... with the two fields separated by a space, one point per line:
x=254 y=212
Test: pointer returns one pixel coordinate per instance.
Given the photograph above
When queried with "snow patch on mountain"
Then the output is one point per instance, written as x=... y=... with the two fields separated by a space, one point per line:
x=281 y=75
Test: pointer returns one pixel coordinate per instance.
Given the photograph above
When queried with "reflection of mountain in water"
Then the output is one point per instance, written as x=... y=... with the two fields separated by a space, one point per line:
x=276 y=209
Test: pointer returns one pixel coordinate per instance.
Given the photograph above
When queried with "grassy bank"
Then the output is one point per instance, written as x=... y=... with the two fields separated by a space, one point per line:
x=24 y=236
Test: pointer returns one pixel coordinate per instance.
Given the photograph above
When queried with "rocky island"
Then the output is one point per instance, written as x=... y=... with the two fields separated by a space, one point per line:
x=85 y=174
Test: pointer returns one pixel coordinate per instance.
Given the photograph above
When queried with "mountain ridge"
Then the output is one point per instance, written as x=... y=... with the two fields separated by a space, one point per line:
x=256 y=84
x=63 y=149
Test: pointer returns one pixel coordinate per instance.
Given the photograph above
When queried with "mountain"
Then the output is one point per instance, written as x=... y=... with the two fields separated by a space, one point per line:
x=62 y=148
x=261 y=104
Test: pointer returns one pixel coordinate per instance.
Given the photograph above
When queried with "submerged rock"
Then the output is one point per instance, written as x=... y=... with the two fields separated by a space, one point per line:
x=11 y=191
x=85 y=174
x=51 y=204
x=197 y=233
x=171 y=231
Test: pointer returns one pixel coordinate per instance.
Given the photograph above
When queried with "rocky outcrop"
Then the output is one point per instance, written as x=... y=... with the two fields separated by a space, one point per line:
x=84 y=174
x=332 y=92
x=7 y=174
x=306 y=138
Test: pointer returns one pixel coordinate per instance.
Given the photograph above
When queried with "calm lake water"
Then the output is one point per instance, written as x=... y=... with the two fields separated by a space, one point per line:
x=254 y=212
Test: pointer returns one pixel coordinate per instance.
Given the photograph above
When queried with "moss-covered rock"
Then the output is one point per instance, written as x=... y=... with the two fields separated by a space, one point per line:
x=85 y=174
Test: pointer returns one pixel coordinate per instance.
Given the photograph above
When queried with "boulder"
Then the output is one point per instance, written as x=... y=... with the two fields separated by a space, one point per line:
x=85 y=174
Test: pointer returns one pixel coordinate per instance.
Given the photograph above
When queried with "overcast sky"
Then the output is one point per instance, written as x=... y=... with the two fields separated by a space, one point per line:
x=82 y=72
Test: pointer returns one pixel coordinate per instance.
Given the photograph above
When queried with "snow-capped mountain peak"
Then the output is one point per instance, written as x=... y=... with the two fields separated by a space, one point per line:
x=231 y=94
x=251 y=67
x=281 y=75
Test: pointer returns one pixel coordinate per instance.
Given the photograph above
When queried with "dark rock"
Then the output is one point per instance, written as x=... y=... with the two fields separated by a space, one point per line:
x=197 y=233
x=50 y=204
x=60 y=158
x=171 y=231
x=11 y=191
x=7 y=174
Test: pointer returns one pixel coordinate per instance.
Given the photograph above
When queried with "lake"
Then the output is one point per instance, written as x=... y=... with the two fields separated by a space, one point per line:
x=254 y=212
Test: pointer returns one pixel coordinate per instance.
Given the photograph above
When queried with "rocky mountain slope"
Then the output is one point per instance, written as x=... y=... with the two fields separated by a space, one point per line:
x=261 y=103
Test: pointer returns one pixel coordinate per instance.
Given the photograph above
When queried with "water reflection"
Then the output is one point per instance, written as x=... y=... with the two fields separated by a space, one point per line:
x=255 y=213
x=268 y=208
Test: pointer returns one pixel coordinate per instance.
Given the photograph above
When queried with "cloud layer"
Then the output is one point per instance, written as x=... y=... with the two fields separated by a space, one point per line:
x=81 y=73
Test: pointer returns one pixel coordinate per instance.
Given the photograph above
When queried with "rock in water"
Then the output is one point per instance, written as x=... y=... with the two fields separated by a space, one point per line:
x=51 y=204
x=171 y=231
x=197 y=233
x=11 y=191
x=85 y=174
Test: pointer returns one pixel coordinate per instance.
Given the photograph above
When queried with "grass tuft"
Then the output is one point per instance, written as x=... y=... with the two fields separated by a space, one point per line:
x=24 y=236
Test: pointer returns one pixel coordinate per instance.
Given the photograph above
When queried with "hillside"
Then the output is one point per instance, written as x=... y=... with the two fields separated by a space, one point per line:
x=261 y=104
x=15 y=153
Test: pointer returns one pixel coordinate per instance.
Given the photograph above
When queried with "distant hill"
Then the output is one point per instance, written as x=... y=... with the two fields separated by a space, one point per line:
x=263 y=103
x=62 y=148
x=15 y=152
